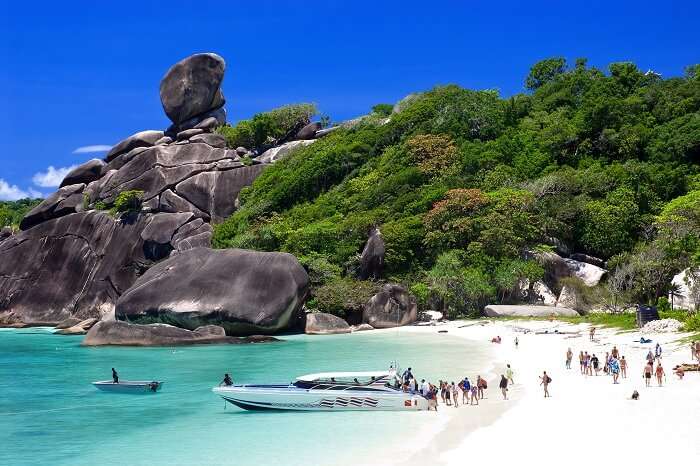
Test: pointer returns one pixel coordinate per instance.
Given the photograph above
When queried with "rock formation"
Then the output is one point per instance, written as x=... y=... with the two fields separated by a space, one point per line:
x=244 y=292
x=393 y=306
x=502 y=310
x=320 y=323
x=372 y=258
x=124 y=334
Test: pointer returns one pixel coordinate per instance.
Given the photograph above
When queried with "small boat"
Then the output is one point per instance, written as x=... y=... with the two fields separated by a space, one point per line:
x=129 y=386
x=328 y=391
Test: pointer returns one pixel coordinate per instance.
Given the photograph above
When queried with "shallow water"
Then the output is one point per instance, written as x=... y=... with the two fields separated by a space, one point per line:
x=50 y=414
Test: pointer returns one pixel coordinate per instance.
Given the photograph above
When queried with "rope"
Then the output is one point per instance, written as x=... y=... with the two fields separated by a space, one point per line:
x=68 y=408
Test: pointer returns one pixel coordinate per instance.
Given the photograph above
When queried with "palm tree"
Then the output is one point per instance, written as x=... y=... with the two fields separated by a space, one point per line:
x=674 y=290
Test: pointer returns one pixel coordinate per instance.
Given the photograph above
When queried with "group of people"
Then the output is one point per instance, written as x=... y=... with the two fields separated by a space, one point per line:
x=464 y=391
x=614 y=364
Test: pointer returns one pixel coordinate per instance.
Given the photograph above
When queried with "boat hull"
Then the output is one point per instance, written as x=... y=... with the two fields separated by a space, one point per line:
x=127 y=386
x=293 y=399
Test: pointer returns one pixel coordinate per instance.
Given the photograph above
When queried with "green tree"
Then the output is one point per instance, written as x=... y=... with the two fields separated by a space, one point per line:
x=545 y=71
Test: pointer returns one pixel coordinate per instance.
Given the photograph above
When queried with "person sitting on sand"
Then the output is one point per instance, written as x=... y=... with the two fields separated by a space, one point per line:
x=503 y=385
x=635 y=395
x=648 y=369
x=569 y=357
x=227 y=381
x=115 y=376
x=623 y=367
x=545 y=380
x=659 y=373
x=680 y=372
x=496 y=339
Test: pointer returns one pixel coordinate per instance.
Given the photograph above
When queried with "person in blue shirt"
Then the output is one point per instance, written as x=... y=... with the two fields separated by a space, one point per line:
x=407 y=375
x=466 y=389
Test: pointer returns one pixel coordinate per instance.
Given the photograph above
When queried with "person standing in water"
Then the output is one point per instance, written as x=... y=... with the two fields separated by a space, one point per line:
x=648 y=369
x=503 y=385
x=545 y=380
x=509 y=374
x=115 y=376
x=660 y=373
x=569 y=357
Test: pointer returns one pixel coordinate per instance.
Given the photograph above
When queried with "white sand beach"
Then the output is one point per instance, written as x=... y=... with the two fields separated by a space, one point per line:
x=586 y=419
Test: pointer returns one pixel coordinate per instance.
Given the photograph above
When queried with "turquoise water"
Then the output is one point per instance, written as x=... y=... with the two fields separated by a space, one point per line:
x=50 y=414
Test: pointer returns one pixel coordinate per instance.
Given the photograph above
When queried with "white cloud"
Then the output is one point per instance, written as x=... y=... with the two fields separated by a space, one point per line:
x=52 y=177
x=10 y=192
x=91 y=149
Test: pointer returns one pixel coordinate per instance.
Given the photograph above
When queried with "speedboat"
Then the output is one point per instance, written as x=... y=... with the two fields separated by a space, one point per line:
x=129 y=386
x=328 y=391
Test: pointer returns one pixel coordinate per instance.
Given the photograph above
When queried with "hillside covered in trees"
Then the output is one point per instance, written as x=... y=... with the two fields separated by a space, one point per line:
x=466 y=187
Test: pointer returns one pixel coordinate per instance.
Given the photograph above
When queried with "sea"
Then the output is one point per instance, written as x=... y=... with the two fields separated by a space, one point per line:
x=50 y=414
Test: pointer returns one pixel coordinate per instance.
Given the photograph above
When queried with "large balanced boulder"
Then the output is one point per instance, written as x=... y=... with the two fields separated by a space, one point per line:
x=192 y=87
x=126 y=334
x=320 y=323
x=245 y=292
x=525 y=310
x=76 y=265
x=372 y=258
x=393 y=306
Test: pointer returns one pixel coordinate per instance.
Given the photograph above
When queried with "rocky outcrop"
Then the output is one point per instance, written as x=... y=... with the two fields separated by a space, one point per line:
x=74 y=266
x=590 y=274
x=63 y=202
x=5 y=232
x=372 y=257
x=125 y=334
x=577 y=256
x=80 y=328
x=308 y=131
x=393 y=306
x=245 y=292
x=141 y=139
x=525 y=310
x=85 y=173
x=192 y=87
x=320 y=323
x=361 y=328
x=683 y=297
x=279 y=152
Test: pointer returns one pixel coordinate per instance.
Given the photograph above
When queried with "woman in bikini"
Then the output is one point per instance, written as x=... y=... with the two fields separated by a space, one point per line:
x=623 y=367
x=659 y=373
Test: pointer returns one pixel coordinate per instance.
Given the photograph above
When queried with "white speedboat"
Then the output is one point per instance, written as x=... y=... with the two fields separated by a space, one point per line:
x=129 y=386
x=328 y=391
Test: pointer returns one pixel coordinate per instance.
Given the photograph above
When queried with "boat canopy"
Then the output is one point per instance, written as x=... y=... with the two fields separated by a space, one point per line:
x=344 y=375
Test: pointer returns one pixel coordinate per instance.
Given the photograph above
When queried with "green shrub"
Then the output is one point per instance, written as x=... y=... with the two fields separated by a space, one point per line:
x=127 y=201
x=344 y=296
x=383 y=109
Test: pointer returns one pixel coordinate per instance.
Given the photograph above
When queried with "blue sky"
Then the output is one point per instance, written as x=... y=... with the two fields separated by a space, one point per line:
x=78 y=74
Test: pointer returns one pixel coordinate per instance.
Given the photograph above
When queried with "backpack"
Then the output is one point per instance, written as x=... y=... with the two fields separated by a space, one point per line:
x=549 y=379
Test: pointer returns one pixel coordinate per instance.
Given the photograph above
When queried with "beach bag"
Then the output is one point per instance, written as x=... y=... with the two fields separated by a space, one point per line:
x=549 y=379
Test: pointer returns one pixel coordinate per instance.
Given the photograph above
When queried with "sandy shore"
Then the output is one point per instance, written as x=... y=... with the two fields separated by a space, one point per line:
x=586 y=419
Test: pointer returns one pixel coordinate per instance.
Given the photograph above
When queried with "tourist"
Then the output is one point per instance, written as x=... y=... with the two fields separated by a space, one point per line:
x=448 y=402
x=658 y=351
x=614 y=369
x=115 y=376
x=693 y=351
x=697 y=350
x=615 y=352
x=595 y=363
x=623 y=367
x=442 y=390
x=680 y=372
x=635 y=395
x=503 y=385
x=660 y=373
x=407 y=375
x=591 y=333
x=481 y=385
x=581 y=362
x=455 y=394
x=227 y=381
x=545 y=380
x=466 y=390
x=432 y=398
x=606 y=367
x=516 y=343
x=509 y=374
x=475 y=395
x=648 y=369
x=650 y=356
x=586 y=363
x=569 y=357
x=496 y=339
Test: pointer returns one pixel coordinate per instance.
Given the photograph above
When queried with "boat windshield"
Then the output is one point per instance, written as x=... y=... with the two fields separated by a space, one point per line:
x=342 y=382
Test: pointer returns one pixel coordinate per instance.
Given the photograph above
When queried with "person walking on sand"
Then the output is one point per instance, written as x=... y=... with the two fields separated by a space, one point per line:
x=481 y=385
x=658 y=351
x=648 y=369
x=660 y=373
x=615 y=369
x=615 y=352
x=650 y=356
x=595 y=363
x=503 y=385
x=475 y=395
x=591 y=333
x=623 y=367
x=545 y=380
x=466 y=390
x=581 y=359
x=569 y=357
x=509 y=374
x=455 y=394
x=516 y=342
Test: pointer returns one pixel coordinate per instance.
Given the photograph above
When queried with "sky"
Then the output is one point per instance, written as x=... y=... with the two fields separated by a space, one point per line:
x=77 y=77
